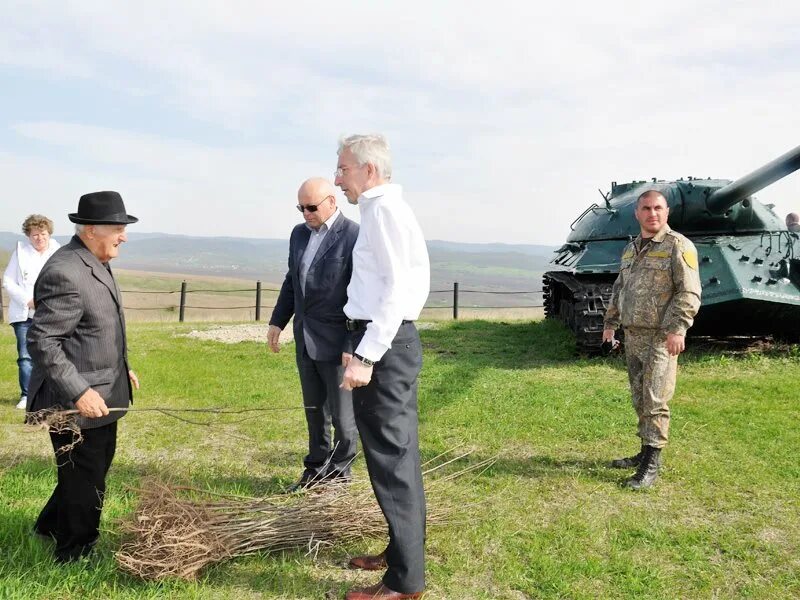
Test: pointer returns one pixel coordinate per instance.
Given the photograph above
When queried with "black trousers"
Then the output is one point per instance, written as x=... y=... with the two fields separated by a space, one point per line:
x=330 y=404
x=72 y=514
x=386 y=416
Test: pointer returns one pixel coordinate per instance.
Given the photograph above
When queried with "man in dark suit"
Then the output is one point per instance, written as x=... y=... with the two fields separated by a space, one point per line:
x=315 y=291
x=80 y=361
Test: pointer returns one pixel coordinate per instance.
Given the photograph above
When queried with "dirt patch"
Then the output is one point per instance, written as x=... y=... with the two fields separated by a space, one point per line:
x=233 y=334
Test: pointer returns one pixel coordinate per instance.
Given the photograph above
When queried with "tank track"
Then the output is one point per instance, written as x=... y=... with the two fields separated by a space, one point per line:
x=580 y=304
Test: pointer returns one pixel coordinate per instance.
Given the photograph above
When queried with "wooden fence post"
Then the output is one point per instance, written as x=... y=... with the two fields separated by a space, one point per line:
x=258 y=300
x=183 y=302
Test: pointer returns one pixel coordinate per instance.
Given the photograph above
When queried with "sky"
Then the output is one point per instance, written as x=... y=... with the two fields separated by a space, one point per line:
x=504 y=118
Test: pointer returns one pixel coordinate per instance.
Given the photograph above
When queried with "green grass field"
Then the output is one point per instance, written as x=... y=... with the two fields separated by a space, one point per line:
x=548 y=520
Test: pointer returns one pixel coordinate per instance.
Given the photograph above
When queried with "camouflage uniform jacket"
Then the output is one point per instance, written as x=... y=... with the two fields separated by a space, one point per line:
x=658 y=287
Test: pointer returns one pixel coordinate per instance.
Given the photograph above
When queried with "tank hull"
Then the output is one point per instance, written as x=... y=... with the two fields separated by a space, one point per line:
x=751 y=286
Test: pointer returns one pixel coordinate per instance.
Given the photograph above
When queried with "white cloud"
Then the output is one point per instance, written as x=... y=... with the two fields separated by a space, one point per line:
x=171 y=185
x=504 y=117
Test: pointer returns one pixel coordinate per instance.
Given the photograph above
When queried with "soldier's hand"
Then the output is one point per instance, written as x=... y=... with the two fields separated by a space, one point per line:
x=91 y=405
x=357 y=374
x=608 y=337
x=273 y=338
x=675 y=343
x=346 y=358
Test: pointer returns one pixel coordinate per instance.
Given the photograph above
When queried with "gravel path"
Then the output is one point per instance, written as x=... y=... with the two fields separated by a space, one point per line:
x=233 y=334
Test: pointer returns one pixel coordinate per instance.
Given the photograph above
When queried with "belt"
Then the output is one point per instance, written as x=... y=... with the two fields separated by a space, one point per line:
x=644 y=330
x=359 y=324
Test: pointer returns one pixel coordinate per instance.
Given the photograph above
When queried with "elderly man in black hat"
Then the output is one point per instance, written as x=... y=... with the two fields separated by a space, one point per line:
x=80 y=361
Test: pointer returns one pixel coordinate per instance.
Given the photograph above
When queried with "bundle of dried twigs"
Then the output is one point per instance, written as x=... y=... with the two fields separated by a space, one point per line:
x=57 y=421
x=174 y=532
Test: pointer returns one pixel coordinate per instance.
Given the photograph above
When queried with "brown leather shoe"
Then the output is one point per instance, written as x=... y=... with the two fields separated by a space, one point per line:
x=379 y=592
x=375 y=562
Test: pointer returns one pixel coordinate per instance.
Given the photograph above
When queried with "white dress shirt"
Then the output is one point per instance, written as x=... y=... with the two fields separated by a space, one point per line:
x=20 y=275
x=391 y=271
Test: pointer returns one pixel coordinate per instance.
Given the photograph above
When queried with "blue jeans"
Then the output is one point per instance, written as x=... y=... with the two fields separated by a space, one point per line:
x=24 y=361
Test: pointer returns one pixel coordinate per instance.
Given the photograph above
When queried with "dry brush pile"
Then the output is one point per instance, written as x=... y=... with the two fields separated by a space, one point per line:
x=177 y=531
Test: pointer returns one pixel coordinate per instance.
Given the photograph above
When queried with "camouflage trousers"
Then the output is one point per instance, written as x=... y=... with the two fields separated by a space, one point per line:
x=652 y=372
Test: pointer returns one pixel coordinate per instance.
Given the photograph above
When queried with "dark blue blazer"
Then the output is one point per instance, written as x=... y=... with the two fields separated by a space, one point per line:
x=320 y=310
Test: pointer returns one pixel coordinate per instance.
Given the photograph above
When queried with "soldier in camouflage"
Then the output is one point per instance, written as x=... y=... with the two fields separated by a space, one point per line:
x=654 y=300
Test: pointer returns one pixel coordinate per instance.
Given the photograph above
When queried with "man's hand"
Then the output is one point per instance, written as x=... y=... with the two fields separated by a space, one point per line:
x=675 y=343
x=273 y=338
x=30 y=303
x=608 y=336
x=346 y=358
x=134 y=379
x=357 y=374
x=91 y=405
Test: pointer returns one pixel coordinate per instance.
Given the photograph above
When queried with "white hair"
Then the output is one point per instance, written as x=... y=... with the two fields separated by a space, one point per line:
x=369 y=149
x=81 y=227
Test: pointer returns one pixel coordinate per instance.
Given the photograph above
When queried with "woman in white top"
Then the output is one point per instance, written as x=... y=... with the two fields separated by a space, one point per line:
x=23 y=269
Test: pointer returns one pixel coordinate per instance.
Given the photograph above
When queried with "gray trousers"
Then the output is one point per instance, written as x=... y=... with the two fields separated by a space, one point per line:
x=329 y=404
x=386 y=415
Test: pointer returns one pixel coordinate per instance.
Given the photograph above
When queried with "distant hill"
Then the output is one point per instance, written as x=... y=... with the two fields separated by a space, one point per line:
x=167 y=253
x=237 y=257
x=480 y=266
x=495 y=248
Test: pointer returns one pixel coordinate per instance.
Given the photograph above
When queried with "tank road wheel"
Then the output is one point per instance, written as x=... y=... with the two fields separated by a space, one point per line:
x=567 y=313
x=550 y=297
x=580 y=303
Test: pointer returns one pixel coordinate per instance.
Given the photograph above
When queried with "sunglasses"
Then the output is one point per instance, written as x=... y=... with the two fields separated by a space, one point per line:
x=312 y=208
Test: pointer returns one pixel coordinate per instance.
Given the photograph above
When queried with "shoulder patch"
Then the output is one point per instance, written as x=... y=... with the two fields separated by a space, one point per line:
x=690 y=256
x=627 y=254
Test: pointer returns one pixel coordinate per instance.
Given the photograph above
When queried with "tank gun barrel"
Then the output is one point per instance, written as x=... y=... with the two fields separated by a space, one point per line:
x=736 y=191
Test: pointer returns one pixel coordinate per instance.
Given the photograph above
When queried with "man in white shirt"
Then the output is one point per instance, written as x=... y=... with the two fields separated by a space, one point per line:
x=388 y=288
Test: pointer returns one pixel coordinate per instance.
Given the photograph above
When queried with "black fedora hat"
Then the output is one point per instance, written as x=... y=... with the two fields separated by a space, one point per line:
x=102 y=208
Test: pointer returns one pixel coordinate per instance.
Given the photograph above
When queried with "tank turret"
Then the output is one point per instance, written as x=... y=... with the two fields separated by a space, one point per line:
x=749 y=261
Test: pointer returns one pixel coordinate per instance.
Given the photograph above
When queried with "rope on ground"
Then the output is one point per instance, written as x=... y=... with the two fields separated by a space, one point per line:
x=58 y=420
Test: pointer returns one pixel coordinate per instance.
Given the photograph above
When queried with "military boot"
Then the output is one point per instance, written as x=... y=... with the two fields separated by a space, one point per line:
x=647 y=472
x=629 y=462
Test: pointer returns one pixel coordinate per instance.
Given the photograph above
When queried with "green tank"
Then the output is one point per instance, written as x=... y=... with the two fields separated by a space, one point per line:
x=749 y=261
